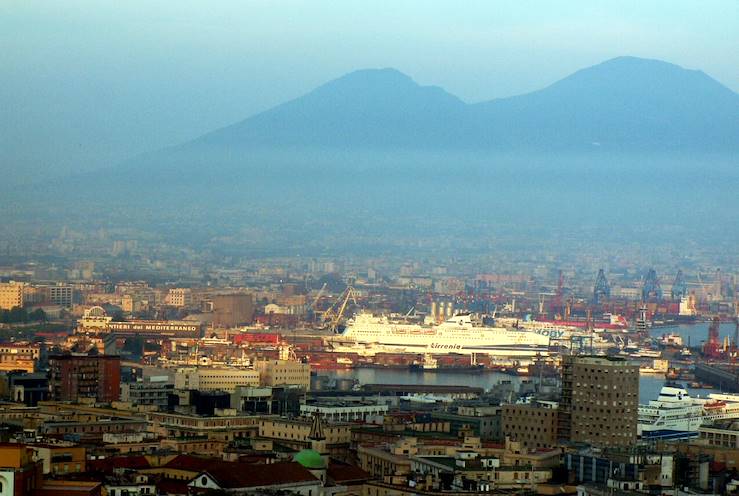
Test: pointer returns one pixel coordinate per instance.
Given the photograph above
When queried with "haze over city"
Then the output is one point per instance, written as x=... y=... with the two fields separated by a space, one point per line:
x=369 y=248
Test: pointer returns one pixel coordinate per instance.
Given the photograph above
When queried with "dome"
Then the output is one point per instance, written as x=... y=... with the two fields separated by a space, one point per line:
x=95 y=312
x=310 y=459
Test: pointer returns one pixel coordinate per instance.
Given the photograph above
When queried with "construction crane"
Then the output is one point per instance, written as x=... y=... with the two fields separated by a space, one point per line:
x=335 y=312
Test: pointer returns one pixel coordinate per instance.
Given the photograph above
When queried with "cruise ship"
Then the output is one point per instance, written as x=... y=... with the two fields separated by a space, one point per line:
x=675 y=414
x=367 y=334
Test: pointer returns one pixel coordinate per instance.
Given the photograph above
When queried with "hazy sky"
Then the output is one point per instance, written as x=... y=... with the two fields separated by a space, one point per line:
x=89 y=83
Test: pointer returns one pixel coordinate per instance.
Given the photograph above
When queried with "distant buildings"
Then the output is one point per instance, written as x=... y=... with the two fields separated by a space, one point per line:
x=283 y=372
x=179 y=297
x=95 y=320
x=11 y=295
x=60 y=294
x=533 y=425
x=24 y=387
x=341 y=412
x=147 y=393
x=233 y=310
x=215 y=379
x=265 y=373
x=18 y=357
x=296 y=433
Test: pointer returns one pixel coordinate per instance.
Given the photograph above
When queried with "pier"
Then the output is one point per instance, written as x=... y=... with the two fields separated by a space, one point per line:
x=723 y=376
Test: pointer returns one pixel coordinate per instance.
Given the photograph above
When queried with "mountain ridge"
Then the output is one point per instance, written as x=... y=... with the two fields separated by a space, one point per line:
x=622 y=102
x=620 y=142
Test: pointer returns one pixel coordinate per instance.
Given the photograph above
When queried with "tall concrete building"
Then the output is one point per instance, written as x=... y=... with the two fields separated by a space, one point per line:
x=232 y=310
x=73 y=377
x=599 y=401
x=533 y=425
x=60 y=294
x=11 y=295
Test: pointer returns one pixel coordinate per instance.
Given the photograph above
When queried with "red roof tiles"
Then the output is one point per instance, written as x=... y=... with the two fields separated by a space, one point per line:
x=246 y=476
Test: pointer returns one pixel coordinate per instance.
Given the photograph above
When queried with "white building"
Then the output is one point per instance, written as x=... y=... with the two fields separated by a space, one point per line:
x=215 y=379
x=343 y=413
x=179 y=297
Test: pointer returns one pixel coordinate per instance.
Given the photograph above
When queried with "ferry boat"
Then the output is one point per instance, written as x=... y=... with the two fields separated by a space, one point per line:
x=368 y=334
x=675 y=414
x=561 y=335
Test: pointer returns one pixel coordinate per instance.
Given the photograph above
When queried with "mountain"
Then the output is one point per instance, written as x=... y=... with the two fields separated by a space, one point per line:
x=372 y=158
x=365 y=108
x=625 y=103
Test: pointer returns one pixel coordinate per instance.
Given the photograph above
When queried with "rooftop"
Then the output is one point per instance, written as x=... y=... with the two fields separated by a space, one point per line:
x=246 y=476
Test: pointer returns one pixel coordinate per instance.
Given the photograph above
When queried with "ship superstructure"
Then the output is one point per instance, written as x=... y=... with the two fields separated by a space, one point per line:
x=676 y=414
x=368 y=334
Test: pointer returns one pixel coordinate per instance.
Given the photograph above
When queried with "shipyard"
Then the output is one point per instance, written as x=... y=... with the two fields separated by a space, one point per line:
x=341 y=248
x=462 y=360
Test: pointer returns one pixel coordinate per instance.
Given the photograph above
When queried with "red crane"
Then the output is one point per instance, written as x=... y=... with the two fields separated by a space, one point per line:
x=556 y=306
x=712 y=348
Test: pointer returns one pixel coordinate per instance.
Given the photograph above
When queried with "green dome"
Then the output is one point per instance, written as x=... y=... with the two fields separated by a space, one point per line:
x=310 y=459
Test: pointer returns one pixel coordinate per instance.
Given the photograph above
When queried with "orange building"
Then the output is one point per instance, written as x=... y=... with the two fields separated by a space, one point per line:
x=18 y=357
x=19 y=474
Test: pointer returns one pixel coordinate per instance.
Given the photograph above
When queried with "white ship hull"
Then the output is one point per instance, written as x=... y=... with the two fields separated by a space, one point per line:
x=368 y=335
x=675 y=414
x=560 y=335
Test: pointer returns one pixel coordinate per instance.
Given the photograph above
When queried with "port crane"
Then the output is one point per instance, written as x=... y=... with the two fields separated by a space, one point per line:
x=335 y=313
x=318 y=296
x=311 y=310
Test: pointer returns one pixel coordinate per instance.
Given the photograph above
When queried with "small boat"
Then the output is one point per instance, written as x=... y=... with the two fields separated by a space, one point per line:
x=671 y=341
x=429 y=362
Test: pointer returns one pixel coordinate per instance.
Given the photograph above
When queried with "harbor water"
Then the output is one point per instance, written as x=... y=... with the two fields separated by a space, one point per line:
x=694 y=334
x=649 y=385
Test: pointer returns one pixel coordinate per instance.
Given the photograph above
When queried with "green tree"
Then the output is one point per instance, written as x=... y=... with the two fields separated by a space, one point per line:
x=118 y=316
x=37 y=315
x=18 y=315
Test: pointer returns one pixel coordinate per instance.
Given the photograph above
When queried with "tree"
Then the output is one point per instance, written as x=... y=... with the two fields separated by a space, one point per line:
x=37 y=315
x=17 y=314
x=118 y=316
